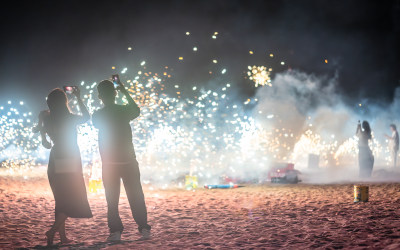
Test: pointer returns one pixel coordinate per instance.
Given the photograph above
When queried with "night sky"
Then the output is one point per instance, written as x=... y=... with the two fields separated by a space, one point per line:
x=47 y=44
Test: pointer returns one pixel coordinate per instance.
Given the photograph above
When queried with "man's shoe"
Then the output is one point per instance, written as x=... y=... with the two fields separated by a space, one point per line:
x=146 y=234
x=116 y=236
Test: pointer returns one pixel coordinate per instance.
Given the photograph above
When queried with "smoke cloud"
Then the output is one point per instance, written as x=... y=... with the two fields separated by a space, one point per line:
x=310 y=110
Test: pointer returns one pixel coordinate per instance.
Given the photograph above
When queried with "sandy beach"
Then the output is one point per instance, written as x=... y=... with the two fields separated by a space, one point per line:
x=298 y=216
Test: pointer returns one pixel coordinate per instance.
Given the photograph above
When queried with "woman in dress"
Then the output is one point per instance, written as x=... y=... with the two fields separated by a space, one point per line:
x=65 y=166
x=365 y=157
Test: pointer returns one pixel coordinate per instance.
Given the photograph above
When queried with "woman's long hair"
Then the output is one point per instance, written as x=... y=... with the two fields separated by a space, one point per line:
x=58 y=103
x=367 y=129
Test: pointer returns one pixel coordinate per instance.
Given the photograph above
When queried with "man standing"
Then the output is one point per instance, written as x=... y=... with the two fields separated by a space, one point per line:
x=393 y=144
x=119 y=159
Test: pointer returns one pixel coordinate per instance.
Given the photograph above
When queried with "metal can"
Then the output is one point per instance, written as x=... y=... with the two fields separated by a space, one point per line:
x=361 y=193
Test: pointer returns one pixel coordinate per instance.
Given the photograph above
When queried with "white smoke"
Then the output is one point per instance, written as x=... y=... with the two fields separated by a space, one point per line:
x=299 y=102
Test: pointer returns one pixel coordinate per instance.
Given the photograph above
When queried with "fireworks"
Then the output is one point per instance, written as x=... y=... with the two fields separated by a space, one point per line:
x=260 y=75
x=17 y=142
x=205 y=135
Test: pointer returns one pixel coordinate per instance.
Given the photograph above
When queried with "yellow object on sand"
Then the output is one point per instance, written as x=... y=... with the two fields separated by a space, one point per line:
x=95 y=185
x=361 y=193
x=191 y=182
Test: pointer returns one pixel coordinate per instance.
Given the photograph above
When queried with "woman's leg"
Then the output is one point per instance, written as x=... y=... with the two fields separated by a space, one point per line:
x=63 y=236
x=60 y=219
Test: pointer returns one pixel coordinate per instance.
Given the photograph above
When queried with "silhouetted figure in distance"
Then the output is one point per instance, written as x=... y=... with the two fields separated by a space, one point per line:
x=119 y=159
x=65 y=166
x=365 y=157
x=393 y=144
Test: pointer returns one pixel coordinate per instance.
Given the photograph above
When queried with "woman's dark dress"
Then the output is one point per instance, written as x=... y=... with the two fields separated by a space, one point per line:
x=365 y=157
x=67 y=183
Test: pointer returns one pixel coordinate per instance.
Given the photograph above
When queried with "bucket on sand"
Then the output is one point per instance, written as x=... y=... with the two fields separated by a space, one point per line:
x=361 y=193
x=191 y=182
x=95 y=185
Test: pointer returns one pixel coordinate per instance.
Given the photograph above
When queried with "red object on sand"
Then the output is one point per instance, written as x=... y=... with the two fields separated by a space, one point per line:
x=283 y=173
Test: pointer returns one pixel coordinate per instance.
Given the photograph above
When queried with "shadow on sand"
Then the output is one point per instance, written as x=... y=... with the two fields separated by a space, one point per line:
x=95 y=245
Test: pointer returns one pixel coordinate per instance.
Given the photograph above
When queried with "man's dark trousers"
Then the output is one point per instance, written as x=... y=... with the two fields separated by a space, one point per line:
x=130 y=175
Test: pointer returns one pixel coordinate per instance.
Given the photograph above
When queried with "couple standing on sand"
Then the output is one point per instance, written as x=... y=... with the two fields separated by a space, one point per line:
x=117 y=155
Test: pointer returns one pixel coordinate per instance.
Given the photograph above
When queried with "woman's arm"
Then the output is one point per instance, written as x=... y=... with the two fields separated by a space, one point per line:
x=85 y=112
x=390 y=137
x=45 y=142
x=40 y=128
x=359 y=131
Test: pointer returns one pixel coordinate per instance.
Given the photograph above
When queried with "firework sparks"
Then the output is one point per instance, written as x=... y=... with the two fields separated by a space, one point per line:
x=260 y=75
x=206 y=135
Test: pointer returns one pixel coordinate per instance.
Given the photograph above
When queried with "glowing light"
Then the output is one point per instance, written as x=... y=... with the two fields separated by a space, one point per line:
x=129 y=48
x=194 y=48
x=260 y=75
x=203 y=135
x=113 y=67
x=326 y=60
x=180 y=58
x=251 y=52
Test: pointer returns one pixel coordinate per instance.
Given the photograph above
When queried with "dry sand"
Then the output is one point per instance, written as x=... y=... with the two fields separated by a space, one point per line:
x=270 y=216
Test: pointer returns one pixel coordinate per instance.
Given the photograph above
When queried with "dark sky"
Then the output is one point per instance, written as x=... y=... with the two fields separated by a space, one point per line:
x=47 y=44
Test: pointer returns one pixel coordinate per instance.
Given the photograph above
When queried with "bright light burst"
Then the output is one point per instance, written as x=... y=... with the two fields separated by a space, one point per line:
x=260 y=75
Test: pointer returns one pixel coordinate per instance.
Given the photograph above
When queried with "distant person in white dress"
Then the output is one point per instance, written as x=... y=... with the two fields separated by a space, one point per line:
x=393 y=144
x=365 y=156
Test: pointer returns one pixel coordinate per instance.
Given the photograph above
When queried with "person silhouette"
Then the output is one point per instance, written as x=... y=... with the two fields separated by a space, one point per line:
x=393 y=144
x=119 y=159
x=365 y=156
x=65 y=166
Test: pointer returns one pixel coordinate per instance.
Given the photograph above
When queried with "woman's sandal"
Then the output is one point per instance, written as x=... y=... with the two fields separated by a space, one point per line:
x=50 y=237
x=67 y=241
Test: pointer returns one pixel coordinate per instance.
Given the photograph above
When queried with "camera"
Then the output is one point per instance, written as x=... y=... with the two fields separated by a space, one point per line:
x=115 y=80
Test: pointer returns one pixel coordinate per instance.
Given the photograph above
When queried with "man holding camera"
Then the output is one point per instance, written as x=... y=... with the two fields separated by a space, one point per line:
x=118 y=157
